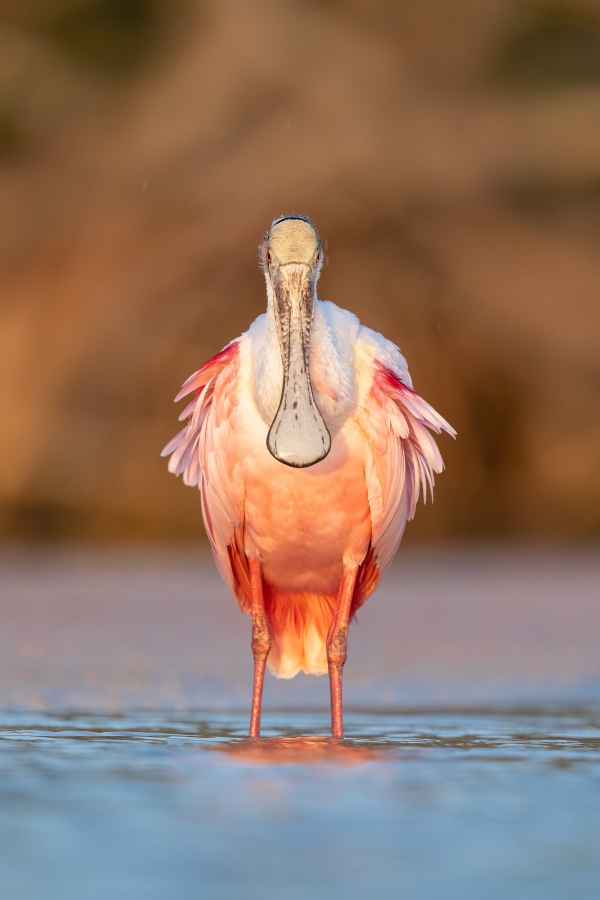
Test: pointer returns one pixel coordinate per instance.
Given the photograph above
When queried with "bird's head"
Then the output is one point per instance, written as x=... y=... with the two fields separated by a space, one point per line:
x=291 y=257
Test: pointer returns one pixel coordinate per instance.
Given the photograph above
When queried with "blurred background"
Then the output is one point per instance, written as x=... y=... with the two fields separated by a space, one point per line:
x=448 y=152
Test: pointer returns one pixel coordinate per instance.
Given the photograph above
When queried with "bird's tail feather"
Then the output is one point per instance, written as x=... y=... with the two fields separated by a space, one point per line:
x=299 y=623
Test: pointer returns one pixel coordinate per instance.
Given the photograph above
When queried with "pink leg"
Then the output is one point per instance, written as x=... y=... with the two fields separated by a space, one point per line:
x=336 y=649
x=261 y=643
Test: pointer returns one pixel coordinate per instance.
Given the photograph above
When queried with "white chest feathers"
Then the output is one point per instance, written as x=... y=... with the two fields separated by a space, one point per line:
x=332 y=363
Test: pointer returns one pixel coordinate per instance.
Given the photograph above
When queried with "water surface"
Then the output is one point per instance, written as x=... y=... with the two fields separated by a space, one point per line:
x=471 y=767
x=424 y=804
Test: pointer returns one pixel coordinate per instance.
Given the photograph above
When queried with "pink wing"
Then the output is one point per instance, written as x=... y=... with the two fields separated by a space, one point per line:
x=403 y=458
x=202 y=453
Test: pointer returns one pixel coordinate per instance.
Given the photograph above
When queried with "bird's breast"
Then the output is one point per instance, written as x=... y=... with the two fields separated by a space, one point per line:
x=304 y=524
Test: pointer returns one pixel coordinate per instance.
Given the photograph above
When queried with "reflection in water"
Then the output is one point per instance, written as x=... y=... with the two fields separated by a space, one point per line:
x=301 y=750
x=419 y=803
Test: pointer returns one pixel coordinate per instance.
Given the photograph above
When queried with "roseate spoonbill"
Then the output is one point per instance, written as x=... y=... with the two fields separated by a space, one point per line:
x=309 y=447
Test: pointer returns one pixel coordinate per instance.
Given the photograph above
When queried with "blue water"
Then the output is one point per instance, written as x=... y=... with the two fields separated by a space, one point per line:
x=423 y=804
x=436 y=793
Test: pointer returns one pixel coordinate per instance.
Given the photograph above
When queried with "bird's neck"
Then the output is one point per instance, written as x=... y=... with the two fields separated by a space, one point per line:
x=326 y=366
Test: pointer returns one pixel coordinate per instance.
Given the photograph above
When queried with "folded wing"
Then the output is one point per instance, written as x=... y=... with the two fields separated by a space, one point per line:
x=402 y=459
x=202 y=453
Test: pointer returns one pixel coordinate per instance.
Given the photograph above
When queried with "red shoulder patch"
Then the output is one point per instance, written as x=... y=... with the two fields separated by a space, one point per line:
x=212 y=367
x=183 y=447
x=386 y=381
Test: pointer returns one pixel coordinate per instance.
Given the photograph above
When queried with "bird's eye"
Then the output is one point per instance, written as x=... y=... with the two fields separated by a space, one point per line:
x=268 y=257
x=318 y=258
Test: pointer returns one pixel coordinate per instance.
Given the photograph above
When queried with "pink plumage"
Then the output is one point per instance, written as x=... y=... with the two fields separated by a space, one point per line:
x=302 y=544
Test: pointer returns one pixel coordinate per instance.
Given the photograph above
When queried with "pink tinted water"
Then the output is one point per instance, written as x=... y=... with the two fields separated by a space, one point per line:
x=156 y=629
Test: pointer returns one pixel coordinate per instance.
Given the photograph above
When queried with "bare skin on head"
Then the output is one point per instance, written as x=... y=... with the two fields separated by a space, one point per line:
x=293 y=241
